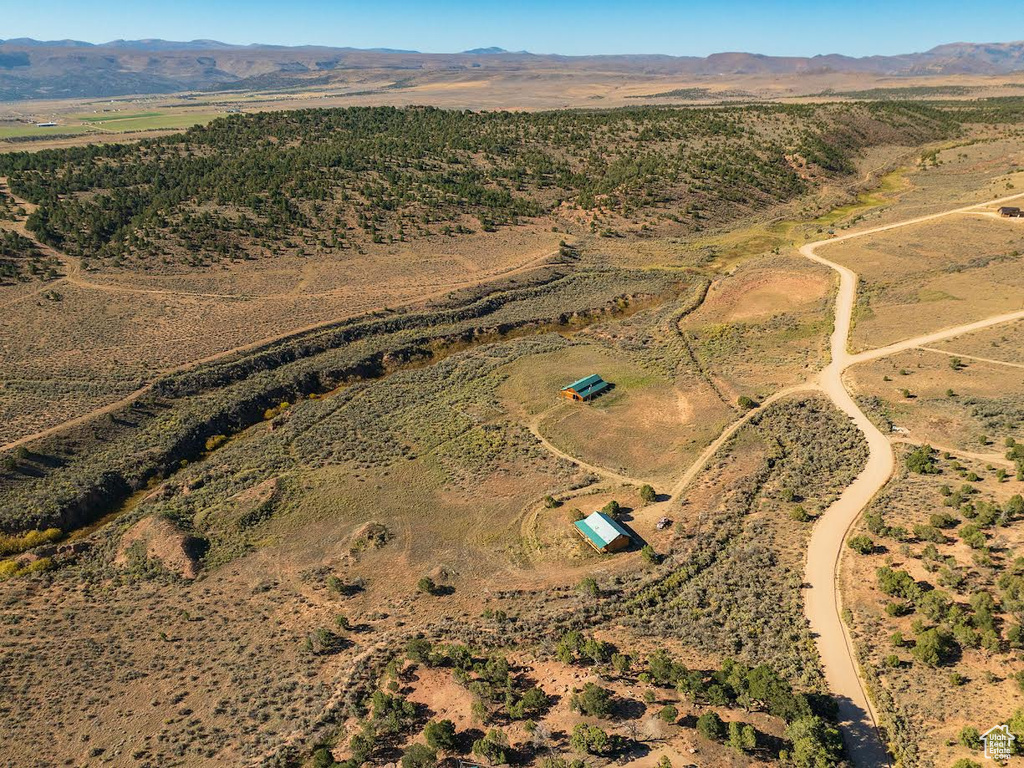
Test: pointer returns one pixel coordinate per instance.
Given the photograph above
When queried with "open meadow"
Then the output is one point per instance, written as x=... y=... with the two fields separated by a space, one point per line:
x=932 y=275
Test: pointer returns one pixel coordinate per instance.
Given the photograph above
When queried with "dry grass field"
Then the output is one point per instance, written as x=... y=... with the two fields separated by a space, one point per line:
x=922 y=392
x=664 y=408
x=100 y=337
x=933 y=275
x=1005 y=344
x=340 y=507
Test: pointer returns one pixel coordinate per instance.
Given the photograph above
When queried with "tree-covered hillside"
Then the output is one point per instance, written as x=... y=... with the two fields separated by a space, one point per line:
x=318 y=181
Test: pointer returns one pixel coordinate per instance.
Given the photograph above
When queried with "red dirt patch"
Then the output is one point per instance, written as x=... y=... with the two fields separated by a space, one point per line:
x=162 y=541
x=763 y=294
x=446 y=699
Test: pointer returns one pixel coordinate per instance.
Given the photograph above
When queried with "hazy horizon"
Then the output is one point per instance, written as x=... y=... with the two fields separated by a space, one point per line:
x=484 y=47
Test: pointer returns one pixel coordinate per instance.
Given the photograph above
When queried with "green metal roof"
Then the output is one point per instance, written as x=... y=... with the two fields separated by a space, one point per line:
x=593 y=389
x=586 y=381
x=601 y=529
x=588 y=386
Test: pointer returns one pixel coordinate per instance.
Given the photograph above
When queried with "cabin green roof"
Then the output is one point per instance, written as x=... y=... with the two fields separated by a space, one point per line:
x=589 y=385
x=583 y=383
x=601 y=529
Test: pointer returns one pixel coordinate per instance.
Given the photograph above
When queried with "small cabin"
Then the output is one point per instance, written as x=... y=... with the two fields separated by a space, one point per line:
x=585 y=389
x=1011 y=212
x=603 y=533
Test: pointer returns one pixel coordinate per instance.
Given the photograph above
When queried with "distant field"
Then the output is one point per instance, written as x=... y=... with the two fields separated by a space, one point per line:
x=23 y=129
x=911 y=92
x=106 y=118
x=148 y=121
x=111 y=123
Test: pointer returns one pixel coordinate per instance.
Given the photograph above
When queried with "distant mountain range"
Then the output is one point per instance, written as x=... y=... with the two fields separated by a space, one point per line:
x=492 y=50
x=32 y=69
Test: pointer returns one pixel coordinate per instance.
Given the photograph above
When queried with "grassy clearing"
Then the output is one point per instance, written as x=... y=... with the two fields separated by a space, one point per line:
x=762 y=329
x=889 y=185
x=153 y=121
x=603 y=432
x=22 y=130
x=737 y=245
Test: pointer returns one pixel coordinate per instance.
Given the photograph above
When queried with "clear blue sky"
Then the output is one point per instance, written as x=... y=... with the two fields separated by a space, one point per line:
x=683 y=27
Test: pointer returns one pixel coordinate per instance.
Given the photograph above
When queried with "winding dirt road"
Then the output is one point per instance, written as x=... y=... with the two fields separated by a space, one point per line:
x=823 y=601
x=823 y=605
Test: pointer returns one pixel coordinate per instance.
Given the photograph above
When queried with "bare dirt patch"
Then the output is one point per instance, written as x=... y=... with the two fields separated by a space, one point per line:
x=764 y=293
x=160 y=540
